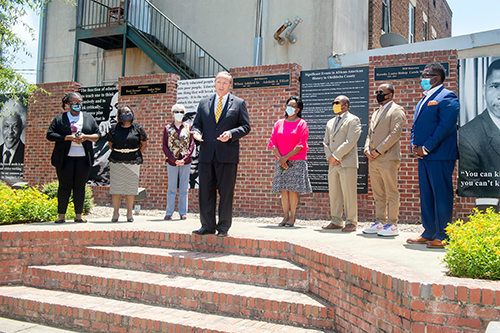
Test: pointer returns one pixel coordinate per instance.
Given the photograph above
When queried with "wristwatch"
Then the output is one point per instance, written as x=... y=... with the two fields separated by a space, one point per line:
x=425 y=151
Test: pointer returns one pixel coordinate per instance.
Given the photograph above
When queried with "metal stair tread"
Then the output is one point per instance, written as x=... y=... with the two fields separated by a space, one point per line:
x=174 y=280
x=207 y=256
x=146 y=312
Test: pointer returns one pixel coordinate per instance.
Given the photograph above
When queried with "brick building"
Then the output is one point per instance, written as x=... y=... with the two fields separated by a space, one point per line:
x=416 y=20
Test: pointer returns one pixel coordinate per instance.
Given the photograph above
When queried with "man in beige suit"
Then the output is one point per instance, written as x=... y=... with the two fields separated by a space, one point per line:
x=384 y=153
x=340 y=143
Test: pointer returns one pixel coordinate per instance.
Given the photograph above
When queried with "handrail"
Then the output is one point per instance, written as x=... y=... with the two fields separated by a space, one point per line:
x=156 y=28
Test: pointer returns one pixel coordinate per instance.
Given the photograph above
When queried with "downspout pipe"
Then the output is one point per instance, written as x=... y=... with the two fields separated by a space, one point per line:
x=42 y=36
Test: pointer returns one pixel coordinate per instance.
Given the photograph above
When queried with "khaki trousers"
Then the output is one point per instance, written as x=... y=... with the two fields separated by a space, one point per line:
x=343 y=193
x=384 y=181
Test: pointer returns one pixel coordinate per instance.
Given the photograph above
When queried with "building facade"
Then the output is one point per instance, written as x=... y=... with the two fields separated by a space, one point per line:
x=416 y=20
x=236 y=33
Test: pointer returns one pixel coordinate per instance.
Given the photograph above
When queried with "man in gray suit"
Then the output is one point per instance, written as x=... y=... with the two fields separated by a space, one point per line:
x=479 y=144
x=384 y=153
x=340 y=143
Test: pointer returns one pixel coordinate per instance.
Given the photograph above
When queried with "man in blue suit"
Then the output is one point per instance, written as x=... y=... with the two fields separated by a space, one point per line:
x=221 y=121
x=434 y=142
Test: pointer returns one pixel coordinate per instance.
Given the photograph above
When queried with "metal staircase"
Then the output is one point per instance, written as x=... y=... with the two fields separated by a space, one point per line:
x=113 y=24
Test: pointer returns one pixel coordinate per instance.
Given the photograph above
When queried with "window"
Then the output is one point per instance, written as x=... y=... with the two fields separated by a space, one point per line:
x=386 y=16
x=411 y=23
x=424 y=26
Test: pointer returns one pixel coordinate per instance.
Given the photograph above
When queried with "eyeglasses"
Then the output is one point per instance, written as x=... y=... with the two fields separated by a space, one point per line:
x=381 y=92
x=426 y=76
x=179 y=112
x=336 y=102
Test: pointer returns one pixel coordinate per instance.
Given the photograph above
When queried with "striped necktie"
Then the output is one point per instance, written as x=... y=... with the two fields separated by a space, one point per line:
x=218 y=110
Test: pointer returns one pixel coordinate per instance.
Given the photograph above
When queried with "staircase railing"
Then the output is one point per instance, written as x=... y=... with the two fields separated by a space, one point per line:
x=153 y=26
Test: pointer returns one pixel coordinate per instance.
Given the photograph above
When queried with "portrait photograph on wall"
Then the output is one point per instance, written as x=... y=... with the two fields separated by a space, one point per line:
x=12 y=137
x=479 y=131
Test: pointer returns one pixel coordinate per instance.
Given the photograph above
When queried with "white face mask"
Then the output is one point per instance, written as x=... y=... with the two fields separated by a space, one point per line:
x=178 y=116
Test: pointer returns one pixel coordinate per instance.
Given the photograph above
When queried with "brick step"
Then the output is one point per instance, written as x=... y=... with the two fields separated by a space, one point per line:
x=97 y=314
x=225 y=298
x=210 y=265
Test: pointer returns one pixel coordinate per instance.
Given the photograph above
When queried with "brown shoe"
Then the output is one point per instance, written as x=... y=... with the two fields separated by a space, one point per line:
x=418 y=240
x=331 y=226
x=349 y=227
x=437 y=243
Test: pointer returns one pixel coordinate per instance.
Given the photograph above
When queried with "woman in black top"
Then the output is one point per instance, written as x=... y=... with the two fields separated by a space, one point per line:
x=127 y=140
x=73 y=132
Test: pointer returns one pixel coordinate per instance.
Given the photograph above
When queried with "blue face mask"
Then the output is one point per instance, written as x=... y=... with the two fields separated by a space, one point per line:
x=426 y=84
x=127 y=117
x=76 y=107
x=290 y=110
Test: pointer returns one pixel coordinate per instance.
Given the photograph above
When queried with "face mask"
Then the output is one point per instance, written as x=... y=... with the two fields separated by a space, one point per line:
x=426 y=84
x=75 y=107
x=337 y=108
x=178 y=116
x=290 y=110
x=381 y=98
x=127 y=117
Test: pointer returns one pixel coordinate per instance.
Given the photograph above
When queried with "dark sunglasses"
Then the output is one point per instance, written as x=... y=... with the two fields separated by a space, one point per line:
x=381 y=92
x=336 y=102
x=178 y=111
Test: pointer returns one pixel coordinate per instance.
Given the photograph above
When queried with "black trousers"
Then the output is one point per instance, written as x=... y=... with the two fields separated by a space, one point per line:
x=222 y=177
x=73 y=176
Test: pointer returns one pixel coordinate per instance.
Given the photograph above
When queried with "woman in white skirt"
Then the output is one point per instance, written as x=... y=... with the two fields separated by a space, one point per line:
x=127 y=141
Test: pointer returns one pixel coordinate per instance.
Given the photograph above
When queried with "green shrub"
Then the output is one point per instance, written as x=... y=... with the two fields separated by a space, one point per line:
x=27 y=205
x=473 y=248
x=50 y=189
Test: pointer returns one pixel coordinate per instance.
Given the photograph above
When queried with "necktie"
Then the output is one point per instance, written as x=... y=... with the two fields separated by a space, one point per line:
x=378 y=115
x=218 y=110
x=337 y=123
x=7 y=157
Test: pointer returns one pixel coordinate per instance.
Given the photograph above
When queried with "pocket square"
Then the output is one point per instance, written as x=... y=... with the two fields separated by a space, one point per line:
x=431 y=103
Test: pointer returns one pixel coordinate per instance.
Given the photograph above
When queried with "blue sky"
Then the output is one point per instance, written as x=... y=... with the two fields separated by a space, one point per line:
x=468 y=17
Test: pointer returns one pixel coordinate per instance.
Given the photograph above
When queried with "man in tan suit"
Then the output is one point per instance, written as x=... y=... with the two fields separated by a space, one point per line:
x=384 y=152
x=340 y=143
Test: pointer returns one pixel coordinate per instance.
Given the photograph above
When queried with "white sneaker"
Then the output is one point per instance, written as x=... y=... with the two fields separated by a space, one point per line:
x=389 y=230
x=374 y=228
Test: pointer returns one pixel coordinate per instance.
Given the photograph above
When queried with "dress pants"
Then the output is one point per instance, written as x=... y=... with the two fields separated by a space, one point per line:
x=384 y=181
x=214 y=176
x=73 y=176
x=436 y=196
x=180 y=173
x=343 y=192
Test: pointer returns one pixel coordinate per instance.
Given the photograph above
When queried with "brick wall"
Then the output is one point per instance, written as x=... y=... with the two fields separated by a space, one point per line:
x=438 y=16
x=255 y=172
x=368 y=295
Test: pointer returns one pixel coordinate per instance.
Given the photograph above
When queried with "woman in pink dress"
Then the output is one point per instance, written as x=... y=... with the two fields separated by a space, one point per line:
x=289 y=144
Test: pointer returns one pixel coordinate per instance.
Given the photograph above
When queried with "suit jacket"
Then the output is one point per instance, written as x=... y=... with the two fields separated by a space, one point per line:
x=385 y=134
x=435 y=126
x=479 y=147
x=59 y=128
x=234 y=118
x=18 y=155
x=342 y=141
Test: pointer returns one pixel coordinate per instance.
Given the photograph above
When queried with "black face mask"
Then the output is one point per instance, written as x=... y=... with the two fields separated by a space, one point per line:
x=381 y=97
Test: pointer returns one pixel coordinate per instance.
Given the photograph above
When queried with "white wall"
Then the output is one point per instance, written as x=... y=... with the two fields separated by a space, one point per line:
x=224 y=28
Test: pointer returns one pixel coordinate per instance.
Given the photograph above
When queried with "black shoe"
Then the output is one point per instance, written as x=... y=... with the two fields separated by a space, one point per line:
x=222 y=234
x=80 y=220
x=59 y=221
x=203 y=231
